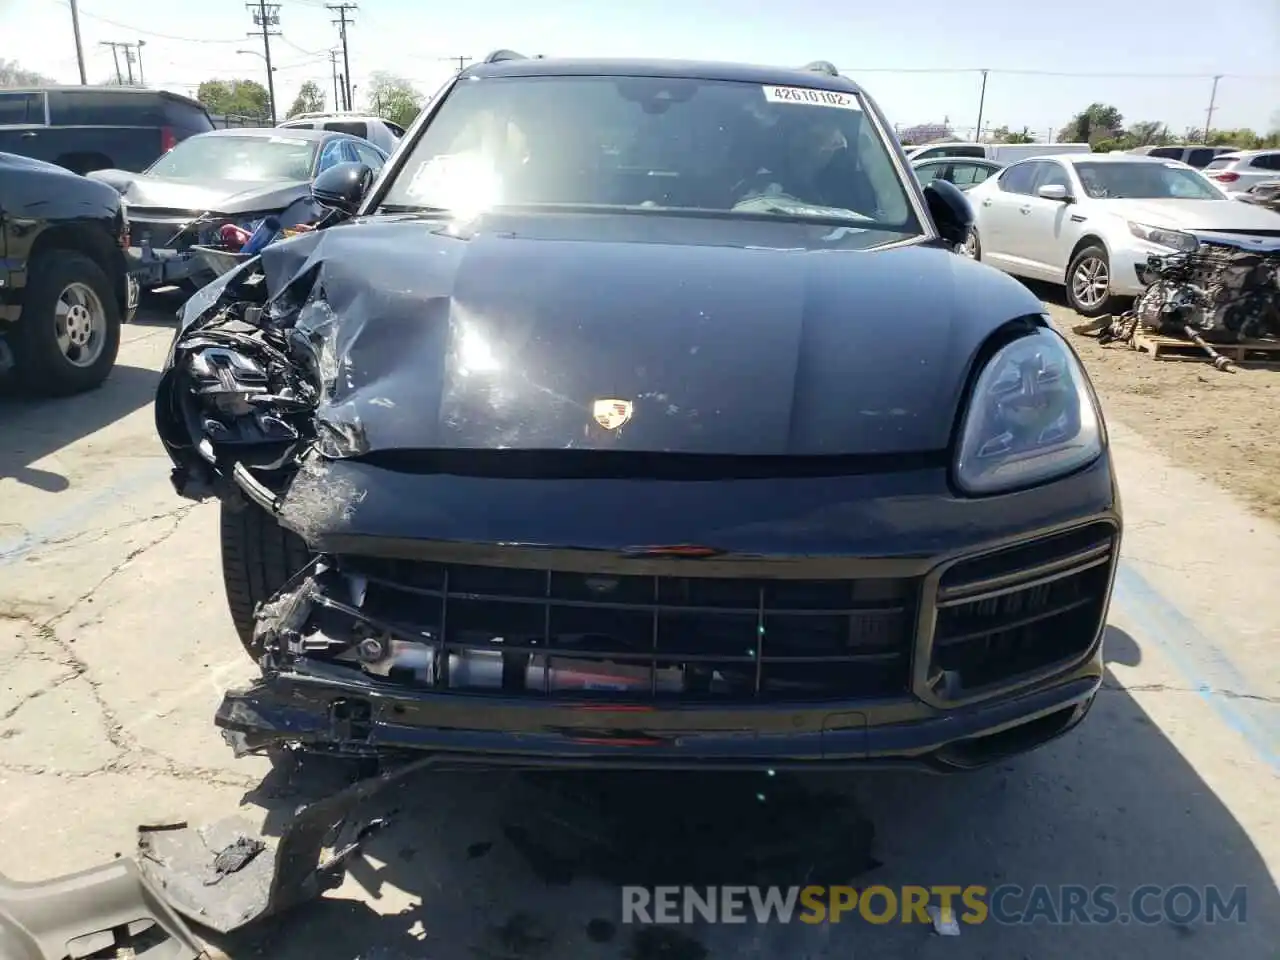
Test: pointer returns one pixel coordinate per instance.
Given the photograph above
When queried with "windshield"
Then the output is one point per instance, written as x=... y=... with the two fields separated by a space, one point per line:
x=715 y=148
x=1144 y=181
x=238 y=158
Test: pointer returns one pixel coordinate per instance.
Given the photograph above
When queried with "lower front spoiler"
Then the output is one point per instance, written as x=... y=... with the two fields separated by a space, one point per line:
x=363 y=720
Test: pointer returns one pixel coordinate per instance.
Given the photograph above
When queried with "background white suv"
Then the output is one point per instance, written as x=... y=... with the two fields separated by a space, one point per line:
x=1239 y=170
x=379 y=132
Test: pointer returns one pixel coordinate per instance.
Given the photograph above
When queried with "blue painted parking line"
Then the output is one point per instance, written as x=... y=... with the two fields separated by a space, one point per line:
x=1218 y=681
x=77 y=517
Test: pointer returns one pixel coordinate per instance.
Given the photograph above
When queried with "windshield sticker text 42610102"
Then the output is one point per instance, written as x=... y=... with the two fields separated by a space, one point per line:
x=811 y=97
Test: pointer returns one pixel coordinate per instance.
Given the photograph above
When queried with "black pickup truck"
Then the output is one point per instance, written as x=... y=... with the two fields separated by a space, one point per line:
x=65 y=286
x=95 y=128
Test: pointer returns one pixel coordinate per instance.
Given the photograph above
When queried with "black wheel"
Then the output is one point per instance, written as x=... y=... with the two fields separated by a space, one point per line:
x=68 y=336
x=1089 y=282
x=258 y=557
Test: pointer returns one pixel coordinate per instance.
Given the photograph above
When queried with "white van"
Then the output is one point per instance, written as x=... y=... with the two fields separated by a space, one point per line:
x=381 y=133
x=999 y=152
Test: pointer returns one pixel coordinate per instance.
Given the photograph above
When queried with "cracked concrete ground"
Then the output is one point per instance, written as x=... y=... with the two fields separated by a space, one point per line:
x=115 y=647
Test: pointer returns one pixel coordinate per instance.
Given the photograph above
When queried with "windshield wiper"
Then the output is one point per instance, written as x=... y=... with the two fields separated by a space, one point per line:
x=412 y=208
x=788 y=207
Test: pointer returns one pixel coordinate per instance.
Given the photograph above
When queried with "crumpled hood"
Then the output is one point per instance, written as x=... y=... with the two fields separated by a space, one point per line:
x=1196 y=214
x=505 y=338
x=220 y=196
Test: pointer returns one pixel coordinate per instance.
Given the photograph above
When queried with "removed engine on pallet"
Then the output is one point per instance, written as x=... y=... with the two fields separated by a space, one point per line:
x=1225 y=291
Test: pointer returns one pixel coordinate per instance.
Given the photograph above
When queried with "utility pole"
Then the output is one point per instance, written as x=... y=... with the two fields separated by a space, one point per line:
x=462 y=62
x=138 y=48
x=333 y=65
x=115 y=56
x=341 y=10
x=265 y=16
x=982 y=102
x=342 y=88
x=75 y=25
x=128 y=60
x=1213 y=99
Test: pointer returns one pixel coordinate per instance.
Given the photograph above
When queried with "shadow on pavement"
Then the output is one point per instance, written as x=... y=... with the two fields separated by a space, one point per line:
x=160 y=309
x=507 y=865
x=31 y=429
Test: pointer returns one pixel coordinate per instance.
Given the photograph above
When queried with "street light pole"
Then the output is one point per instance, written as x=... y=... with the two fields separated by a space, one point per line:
x=140 y=44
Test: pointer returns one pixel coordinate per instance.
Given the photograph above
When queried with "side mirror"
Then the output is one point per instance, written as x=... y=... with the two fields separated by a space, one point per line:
x=1054 y=191
x=950 y=209
x=343 y=186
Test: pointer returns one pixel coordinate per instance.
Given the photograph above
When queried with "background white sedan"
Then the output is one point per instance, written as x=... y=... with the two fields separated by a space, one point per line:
x=1089 y=221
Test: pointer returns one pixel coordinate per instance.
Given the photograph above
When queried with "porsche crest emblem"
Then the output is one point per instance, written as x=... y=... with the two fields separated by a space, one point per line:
x=611 y=414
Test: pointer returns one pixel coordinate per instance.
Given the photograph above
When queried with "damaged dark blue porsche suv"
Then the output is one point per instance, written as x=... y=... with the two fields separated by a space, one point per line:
x=641 y=414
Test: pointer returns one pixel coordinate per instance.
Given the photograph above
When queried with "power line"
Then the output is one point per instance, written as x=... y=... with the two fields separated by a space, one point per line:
x=266 y=16
x=342 y=21
x=132 y=29
x=310 y=53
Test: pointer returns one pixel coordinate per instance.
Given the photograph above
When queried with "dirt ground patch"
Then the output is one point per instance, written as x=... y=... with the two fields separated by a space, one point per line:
x=1224 y=426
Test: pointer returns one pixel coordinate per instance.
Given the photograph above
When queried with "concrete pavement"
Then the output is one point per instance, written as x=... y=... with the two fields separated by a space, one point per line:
x=115 y=646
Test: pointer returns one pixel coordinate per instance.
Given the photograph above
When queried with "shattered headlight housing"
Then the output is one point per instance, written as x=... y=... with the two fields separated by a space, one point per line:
x=1031 y=418
x=1173 y=239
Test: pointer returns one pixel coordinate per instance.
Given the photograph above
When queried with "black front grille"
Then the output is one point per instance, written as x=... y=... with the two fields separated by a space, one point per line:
x=545 y=632
x=1021 y=610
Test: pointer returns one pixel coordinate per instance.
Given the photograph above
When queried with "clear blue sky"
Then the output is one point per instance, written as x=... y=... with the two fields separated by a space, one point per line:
x=878 y=43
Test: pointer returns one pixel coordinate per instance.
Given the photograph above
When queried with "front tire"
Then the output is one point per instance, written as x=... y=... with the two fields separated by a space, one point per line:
x=972 y=246
x=68 y=336
x=1088 y=282
x=258 y=558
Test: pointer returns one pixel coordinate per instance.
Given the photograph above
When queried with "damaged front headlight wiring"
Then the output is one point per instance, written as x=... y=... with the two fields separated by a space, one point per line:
x=243 y=401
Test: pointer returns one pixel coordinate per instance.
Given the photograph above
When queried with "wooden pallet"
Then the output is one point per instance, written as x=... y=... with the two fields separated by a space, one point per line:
x=1174 y=348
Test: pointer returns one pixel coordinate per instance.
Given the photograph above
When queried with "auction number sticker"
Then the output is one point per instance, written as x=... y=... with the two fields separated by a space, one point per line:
x=811 y=97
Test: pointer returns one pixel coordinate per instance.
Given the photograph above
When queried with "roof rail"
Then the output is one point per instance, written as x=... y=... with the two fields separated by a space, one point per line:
x=500 y=55
x=822 y=66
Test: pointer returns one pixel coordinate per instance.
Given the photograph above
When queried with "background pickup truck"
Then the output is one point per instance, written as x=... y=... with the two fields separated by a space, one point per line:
x=94 y=128
x=65 y=288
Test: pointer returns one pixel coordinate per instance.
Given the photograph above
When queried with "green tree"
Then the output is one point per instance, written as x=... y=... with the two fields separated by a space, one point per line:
x=1147 y=133
x=241 y=98
x=1098 y=121
x=310 y=99
x=12 y=75
x=394 y=98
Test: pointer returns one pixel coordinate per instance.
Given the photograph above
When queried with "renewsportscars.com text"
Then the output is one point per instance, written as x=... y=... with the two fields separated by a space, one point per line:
x=1006 y=904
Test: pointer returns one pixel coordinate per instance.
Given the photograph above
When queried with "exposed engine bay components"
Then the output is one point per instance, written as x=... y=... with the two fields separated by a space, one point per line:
x=1227 y=291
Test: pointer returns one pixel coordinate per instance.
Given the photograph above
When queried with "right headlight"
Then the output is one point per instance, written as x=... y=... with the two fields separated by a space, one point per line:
x=1173 y=239
x=1030 y=418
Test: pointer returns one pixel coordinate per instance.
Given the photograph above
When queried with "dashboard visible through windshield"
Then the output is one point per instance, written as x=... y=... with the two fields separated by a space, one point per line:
x=1144 y=181
x=256 y=159
x=638 y=144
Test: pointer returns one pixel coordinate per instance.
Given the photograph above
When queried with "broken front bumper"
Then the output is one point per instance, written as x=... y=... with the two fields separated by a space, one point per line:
x=320 y=708
x=161 y=266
